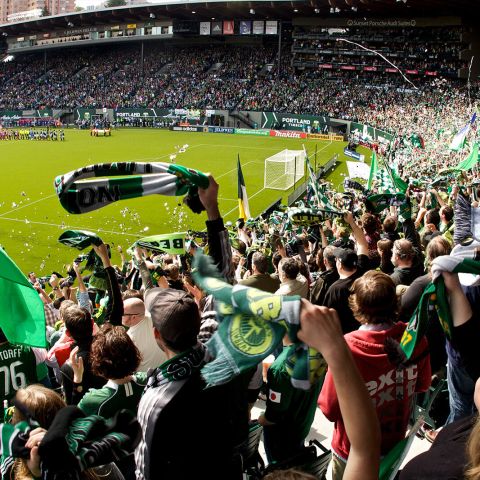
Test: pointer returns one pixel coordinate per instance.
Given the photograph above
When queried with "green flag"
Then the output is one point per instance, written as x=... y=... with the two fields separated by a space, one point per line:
x=23 y=318
x=434 y=299
x=470 y=161
x=373 y=170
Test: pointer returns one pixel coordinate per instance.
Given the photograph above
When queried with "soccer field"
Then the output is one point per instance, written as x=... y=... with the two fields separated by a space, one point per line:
x=32 y=219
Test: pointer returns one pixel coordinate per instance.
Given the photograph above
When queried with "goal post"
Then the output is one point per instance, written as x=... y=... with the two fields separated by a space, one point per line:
x=283 y=169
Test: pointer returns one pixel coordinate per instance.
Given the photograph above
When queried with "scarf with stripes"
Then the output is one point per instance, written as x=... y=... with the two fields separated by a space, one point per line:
x=79 y=195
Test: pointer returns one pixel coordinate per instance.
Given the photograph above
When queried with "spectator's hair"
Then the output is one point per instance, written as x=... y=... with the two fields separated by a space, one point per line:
x=342 y=232
x=473 y=453
x=404 y=249
x=433 y=216
x=370 y=224
x=276 y=257
x=447 y=212
x=78 y=322
x=389 y=225
x=303 y=268
x=374 y=299
x=65 y=304
x=241 y=247
x=260 y=261
x=290 y=268
x=113 y=354
x=319 y=258
x=40 y=402
x=131 y=293
x=3 y=338
x=437 y=247
x=173 y=271
x=385 y=246
x=168 y=259
x=328 y=255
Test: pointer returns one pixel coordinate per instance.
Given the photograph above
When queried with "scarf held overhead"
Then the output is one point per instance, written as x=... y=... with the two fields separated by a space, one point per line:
x=434 y=299
x=252 y=325
x=132 y=180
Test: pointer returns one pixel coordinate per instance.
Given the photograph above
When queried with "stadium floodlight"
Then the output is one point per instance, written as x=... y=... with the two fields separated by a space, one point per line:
x=284 y=169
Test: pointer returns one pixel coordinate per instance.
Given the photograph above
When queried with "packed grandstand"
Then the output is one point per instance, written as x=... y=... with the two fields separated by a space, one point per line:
x=212 y=353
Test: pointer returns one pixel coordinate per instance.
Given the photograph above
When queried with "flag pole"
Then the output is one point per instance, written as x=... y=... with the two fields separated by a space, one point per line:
x=295 y=174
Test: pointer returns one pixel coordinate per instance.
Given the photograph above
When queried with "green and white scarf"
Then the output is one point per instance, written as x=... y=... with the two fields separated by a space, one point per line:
x=173 y=243
x=79 y=239
x=311 y=216
x=434 y=299
x=252 y=324
x=131 y=180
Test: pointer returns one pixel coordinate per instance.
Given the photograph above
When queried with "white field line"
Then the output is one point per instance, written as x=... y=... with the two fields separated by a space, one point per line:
x=27 y=204
x=262 y=189
x=65 y=226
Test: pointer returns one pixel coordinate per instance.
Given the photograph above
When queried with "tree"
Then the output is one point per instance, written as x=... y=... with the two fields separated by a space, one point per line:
x=115 y=3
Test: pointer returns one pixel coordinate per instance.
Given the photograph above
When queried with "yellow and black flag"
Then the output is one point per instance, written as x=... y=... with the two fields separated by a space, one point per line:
x=243 y=208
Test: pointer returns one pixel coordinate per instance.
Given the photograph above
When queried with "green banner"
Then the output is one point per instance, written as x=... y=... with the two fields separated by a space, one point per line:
x=84 y=113
x=249 y=131
x=290 y=121
x=11 y=113
x=367 y=133
x=173 y=243
x=132 y=113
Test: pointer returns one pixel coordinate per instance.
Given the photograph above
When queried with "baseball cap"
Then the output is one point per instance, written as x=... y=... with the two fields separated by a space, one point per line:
x=347 y=257
x=175 y=315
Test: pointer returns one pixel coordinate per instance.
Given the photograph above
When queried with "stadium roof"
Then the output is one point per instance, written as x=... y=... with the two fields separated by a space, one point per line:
x=239 y=9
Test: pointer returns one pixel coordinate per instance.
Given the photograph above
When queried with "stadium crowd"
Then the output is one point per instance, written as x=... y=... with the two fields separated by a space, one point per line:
x=135 y=336
x=120 y=391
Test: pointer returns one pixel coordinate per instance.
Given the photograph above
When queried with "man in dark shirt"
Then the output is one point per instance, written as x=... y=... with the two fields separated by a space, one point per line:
x=319 y=288
x=350 y=266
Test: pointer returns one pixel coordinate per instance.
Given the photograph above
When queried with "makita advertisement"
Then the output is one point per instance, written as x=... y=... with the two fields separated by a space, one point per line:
x=287 y=134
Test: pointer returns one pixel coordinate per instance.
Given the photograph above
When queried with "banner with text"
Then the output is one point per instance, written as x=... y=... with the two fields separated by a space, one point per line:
x=287 y=134
x=290 y=121
x=366 y=133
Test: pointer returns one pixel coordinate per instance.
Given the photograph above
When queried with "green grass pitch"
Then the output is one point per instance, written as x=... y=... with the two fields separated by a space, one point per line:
x=31 y=217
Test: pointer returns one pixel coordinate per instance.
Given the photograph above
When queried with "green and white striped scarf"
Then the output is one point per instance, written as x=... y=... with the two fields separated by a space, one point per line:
x=311 y=216
x=131 y=180
x=252 y=324
x=434 y=299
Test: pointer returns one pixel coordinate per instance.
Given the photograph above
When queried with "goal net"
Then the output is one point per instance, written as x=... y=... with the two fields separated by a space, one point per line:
x=283 y=169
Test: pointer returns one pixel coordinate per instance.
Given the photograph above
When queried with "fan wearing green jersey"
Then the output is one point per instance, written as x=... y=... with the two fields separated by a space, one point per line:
x=20 y=366
x=114 y=356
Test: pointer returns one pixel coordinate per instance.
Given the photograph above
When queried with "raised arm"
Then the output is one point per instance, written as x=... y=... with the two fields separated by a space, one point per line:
x=320 y=329
x=362 y=245
x=114 y=311
x=218 y=241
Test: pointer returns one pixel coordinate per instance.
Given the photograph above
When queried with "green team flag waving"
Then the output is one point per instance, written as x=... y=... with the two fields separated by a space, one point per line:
x=131 y=180
x=22 y=318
